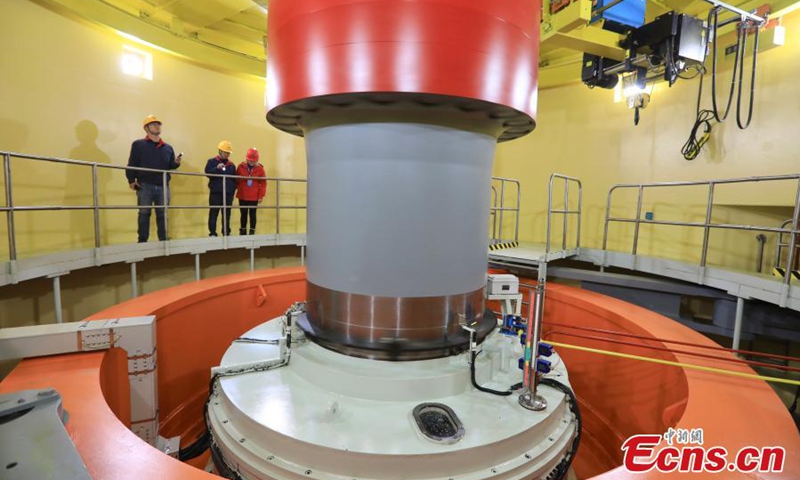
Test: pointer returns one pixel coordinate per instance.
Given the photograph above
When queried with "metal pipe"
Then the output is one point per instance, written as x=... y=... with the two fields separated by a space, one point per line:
x=12 y=240
x=638 y=220
x=566 y=218
x=737 y=324
x=252 y=259
x=608 y=213
x=57 y=298
x=793 y=240
x=133 y=207
x=494 y=214
x=277 y=207
x=165 y=185
x=224 y=228
x=780 y=244
x=302 y=255
x=600 y=10
x=739 y=11
x=519 y=207
x=197 y=267
x=580 y=210
x=529 y=398
x=502 y=204
x=96 y=207
x=138 y=169
x=134 y=284
x=762 y=241
x=707 y=227
x=549 y=213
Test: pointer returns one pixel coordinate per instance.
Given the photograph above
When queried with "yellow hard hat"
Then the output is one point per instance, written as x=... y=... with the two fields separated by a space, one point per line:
x=225 y=146
x=150 y=119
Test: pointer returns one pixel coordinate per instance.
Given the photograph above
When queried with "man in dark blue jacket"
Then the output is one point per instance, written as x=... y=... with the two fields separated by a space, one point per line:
x=221 y=193
x=151 y=152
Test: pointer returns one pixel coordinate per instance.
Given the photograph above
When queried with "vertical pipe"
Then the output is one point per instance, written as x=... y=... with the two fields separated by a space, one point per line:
x=638 y=220
x=134 y=284
x=762 y=241
x=224 y=206
x=502 y=205
x=580 y=211
x=165 y=186
x=519 y=207
x=277 y=207
x=566 y=215
x=737 y=326
x=57 y=298
x=526 y=372
x=549 y=214
x=252 y=259
x=529 y=399
x=707 y=228
x=793 y=239
x=302 y=255
x=197 y=267
x=494 y=215
x=96 y=205
x=12 y=241
x=608 y=216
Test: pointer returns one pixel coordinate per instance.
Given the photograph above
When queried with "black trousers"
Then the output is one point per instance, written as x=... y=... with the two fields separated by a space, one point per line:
x=248 y=212
x=215 y=200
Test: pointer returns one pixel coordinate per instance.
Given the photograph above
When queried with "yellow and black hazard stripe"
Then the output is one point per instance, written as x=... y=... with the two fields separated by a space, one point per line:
x=781 y=272
x=501 y=246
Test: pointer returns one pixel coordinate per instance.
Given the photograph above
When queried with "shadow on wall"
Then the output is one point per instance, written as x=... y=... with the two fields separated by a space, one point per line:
x=78 y=187
x=13 y=135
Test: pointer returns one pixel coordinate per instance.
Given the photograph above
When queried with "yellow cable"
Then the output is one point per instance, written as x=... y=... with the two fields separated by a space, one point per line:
x=676 y=364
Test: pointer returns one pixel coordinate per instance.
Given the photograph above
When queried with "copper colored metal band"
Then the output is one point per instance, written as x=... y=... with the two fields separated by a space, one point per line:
x=397 y=324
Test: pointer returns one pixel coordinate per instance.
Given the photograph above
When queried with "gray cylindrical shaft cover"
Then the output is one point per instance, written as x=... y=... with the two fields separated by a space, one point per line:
x=398 y=209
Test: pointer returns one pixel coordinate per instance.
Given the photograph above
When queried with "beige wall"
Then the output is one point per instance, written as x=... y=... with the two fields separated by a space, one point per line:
x=582 y=132
x=63 y=93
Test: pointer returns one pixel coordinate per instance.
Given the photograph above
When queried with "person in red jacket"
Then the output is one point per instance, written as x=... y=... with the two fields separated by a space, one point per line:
x=250 y=190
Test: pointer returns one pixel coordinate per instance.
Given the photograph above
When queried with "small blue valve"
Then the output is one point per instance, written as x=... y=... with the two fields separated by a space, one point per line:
x=543 y=366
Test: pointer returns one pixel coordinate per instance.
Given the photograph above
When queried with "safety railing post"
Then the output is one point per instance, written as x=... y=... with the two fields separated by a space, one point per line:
x=549 y=213
x=502 y=206
x=608 y=216
x=580 y=211
x=12 y=240
x=566 y=215
x=793 y=239
x=494 y=214
x=277 y=207
x=96 y=206
x=638 y=220
x=165 y=194
x=707 y=227
x=519 y=207
x=224 y=228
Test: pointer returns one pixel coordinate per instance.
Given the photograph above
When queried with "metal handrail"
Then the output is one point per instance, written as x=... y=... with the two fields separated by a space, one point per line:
x=707 y=225
x=780 y=244
x=565 y=212
x=11 y=207
x=497 y=234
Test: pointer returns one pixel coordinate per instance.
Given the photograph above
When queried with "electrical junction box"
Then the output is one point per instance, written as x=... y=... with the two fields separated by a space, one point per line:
x=503 y=284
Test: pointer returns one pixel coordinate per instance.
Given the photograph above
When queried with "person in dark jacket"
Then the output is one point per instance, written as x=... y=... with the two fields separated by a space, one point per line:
x=152 y=188
x=220 y=193
x=250 y=190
